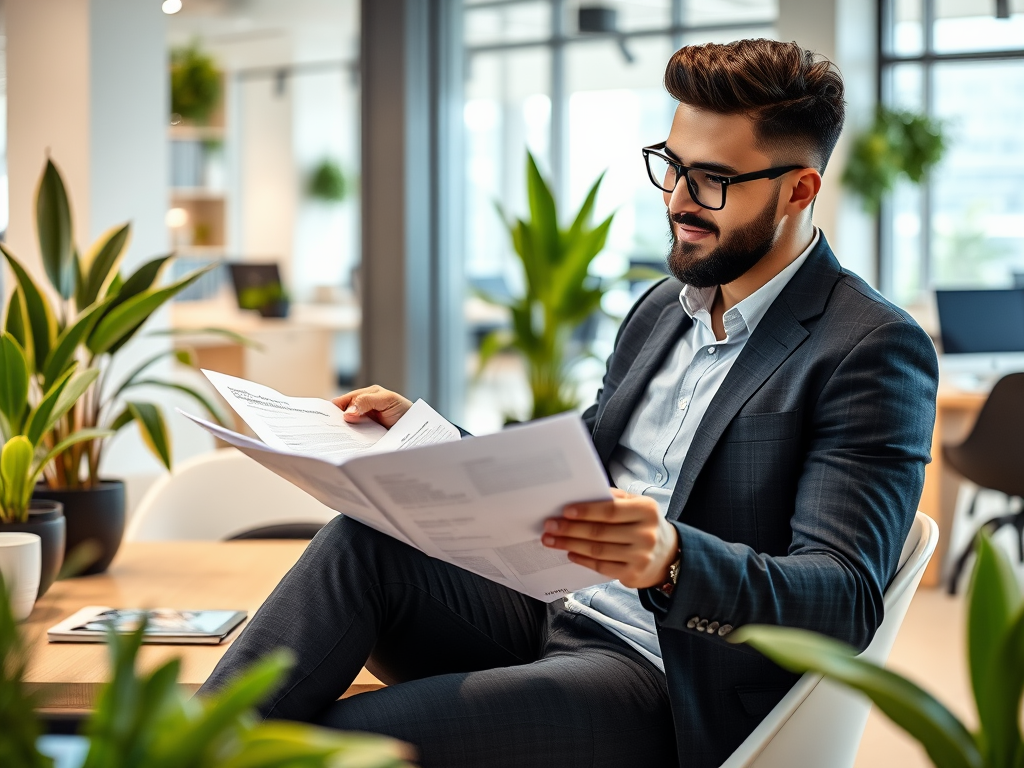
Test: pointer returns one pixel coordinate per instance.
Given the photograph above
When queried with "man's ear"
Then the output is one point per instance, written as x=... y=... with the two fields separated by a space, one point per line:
x=804 y=190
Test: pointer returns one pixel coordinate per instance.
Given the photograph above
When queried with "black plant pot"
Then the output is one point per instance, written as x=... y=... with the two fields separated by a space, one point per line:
x=46 y=520
x=93 y=514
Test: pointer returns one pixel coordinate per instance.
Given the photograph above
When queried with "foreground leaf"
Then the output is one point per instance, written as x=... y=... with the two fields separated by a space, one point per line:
x=53 y=226
x=944 y=738
x=14 y=380
x=100 y=263
x=42 y=322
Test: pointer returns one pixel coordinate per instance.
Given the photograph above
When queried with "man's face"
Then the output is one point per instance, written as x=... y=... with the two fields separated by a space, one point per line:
x=711 y=248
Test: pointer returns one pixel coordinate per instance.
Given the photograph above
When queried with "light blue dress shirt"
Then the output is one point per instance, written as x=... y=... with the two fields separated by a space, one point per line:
x=654 y=443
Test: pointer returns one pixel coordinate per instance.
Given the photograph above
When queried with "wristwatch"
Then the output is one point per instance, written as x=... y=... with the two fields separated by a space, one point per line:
x=673 y=576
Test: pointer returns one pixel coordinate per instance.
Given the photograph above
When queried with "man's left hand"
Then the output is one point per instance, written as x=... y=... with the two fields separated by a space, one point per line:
x=626 y=538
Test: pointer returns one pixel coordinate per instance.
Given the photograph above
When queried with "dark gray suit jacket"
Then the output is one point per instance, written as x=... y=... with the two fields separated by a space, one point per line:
x=797 y=492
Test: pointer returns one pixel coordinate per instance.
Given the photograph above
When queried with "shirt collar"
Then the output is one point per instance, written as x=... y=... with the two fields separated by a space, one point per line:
x=697 y=302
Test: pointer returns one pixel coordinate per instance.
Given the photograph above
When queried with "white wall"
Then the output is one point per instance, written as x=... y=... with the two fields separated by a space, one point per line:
x=846 y=32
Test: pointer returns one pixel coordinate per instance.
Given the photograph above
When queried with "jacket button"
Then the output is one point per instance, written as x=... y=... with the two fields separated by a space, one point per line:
x=703 y=625
x=724 y=630
x=712 y=627
x=692 y=622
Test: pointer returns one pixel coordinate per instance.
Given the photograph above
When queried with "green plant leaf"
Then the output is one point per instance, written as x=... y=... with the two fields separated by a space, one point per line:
x=42 y=321
x=142 y=279
x=122 y=321
x=582 y=218
x=153 y=430
x=183 y=356
x=15 y=463
x=223 y=711
x=100 y=263
x=39 y=421
x=14 y=381
x=16 y=323
x=543 y=216
x=62 y=355
x=494 y=342
x=208 y=405
x=81 y=436
x=76 y=387
x=945 y=739
x=993 y=602
x=53 y=225
x=234 y=336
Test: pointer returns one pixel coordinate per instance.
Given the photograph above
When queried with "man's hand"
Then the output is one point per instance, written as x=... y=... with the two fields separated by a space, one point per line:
x=381 y=405
x=626 y=538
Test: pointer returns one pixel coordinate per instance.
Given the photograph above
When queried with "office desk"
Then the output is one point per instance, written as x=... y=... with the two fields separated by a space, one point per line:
x=177 y=574
x=956 y=412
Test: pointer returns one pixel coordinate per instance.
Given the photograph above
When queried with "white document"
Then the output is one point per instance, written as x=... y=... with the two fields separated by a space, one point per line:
x=478 y=503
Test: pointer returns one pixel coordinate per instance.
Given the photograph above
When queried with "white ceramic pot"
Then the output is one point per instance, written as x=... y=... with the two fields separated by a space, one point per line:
x=21 y=563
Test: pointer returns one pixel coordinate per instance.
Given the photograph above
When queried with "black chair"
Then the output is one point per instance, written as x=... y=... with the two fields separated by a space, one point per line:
x=992 y=457
x=299 y=531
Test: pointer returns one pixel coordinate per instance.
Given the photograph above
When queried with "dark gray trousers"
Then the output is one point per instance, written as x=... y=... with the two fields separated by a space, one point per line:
x=477 y=674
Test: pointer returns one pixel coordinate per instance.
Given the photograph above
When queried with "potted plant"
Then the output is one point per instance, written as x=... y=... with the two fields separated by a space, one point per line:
x=327 y=182
x=995 y=654
x=195 y=84
x=90 y=314
x=146 y=720
x=898 y=144
x=23 y=429
x=560 y=293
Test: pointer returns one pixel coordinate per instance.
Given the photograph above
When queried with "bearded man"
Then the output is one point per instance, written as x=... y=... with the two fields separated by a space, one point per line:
x=764 y=420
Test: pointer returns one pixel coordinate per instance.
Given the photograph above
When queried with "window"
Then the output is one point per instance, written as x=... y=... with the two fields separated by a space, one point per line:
x=582 y=103
x=955 y=60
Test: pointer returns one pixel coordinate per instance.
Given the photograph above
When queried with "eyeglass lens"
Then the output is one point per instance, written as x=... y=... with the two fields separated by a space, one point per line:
x=706 y=189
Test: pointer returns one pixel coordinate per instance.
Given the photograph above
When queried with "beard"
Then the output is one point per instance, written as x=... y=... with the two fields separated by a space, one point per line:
x=730 y=259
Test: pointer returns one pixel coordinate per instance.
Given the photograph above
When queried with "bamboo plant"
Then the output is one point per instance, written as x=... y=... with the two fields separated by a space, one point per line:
x=995 y=655
x=559 y=294
x=86 y=316
x=147 y=720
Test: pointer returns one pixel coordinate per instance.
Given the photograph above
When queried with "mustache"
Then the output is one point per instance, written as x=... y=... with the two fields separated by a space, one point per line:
x=688 y=219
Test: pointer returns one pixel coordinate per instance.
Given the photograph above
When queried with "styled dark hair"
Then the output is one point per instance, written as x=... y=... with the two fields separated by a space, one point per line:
x=790 y=94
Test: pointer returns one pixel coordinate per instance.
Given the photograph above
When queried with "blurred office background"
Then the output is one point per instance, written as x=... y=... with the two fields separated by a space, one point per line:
x=361 y=148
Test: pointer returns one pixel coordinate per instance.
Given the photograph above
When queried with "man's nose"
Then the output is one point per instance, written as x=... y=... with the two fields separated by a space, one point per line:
x=680 y=200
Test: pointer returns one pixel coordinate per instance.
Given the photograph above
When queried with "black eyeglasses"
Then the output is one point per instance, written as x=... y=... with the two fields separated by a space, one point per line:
x=707 y=189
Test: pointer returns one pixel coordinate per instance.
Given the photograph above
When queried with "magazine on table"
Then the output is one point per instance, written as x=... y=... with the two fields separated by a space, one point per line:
x=478 y=503
x=163 y=625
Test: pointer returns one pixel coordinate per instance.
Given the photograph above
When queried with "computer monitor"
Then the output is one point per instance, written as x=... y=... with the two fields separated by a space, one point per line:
x=981 y=321
x=259 y=287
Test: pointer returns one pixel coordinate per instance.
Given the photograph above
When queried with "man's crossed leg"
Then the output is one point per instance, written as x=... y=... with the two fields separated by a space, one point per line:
x=478 y=674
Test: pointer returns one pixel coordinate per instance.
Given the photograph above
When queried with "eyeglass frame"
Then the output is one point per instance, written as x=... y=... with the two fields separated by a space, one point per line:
x=683 y=171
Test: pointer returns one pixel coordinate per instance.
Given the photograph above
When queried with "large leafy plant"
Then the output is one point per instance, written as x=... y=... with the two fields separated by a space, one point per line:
x=559 y=294
x=995 y=651
x=23 y=427
x=147 y=720
x=86 y=316
x=899 y=144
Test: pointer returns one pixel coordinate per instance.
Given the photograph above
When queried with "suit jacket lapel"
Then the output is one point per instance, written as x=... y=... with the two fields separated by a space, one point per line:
x=780 y=332
x=672 y=323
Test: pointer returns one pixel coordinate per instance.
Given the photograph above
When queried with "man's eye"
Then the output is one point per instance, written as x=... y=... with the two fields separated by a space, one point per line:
x=716 y=180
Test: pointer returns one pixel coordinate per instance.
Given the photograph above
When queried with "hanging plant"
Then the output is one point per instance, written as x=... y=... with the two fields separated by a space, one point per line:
x=898 y=144
x=195 y=83
x=328 y=182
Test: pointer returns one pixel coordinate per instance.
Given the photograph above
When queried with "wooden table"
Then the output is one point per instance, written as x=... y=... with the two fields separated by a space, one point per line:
x=177 y=574
x=955 y=414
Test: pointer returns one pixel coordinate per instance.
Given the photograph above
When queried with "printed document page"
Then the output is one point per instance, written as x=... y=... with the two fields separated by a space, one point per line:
x=319 y=478
x=481 y=503
x=315 y=427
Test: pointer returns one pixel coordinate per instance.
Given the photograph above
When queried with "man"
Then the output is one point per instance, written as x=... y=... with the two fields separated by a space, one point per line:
x=765 y=419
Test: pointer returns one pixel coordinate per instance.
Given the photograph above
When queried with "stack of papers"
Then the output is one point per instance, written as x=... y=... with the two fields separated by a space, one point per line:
x=478 y=503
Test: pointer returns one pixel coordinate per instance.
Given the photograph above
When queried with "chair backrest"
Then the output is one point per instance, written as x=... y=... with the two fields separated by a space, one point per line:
x=218 y=495
x=820 y=722
x=990 y=456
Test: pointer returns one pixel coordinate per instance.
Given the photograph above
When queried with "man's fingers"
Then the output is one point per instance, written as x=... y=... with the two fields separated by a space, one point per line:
x=604 y=567
x=623 y=533
x=620 y=510
x=598 y=550
x=343 y=401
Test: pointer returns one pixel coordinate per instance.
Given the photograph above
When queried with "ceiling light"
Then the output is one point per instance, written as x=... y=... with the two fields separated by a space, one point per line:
x=170 y=6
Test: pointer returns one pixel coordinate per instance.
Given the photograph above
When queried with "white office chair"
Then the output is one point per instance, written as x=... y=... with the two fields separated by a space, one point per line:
x=217 y=496
x=820 y=722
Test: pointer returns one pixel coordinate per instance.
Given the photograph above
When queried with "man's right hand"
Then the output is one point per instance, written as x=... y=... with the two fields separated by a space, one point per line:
x=376 y=403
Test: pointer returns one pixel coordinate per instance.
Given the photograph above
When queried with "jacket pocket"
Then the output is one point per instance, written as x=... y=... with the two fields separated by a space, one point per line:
x=758 y=700
x=761 y=427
